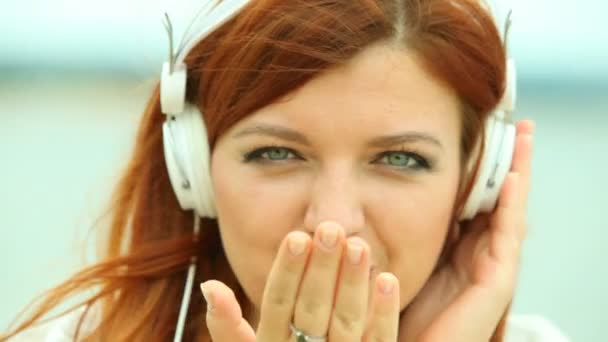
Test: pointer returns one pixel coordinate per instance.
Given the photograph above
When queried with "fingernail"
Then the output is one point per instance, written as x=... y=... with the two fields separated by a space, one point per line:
x=354 y=252
x=329 y=236
x=386 y=284
x=207 y=297
x=297 y=243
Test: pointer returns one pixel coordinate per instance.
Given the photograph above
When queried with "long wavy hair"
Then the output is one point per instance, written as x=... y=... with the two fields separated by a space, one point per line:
x=268 y=50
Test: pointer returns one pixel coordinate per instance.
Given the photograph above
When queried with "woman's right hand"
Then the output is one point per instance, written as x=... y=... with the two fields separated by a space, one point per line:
x=323 y=289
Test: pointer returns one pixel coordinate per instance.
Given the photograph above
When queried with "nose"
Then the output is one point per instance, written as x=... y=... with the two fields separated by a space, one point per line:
x=335 y=196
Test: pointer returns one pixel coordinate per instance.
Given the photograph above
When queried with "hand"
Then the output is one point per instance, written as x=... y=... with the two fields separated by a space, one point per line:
x=466 y=298
x=324 y=290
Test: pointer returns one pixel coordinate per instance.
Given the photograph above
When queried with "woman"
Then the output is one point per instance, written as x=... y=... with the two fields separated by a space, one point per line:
x=345 y=137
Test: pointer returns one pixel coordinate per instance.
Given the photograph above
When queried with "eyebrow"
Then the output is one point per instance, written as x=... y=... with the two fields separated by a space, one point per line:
x=274 y=131
x=379 y=142
x=405 y=137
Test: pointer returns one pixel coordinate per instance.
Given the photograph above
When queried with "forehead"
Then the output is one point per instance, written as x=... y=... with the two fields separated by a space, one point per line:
x=382 y=89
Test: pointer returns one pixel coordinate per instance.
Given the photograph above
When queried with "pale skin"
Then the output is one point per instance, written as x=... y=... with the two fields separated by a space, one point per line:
x=367 y=153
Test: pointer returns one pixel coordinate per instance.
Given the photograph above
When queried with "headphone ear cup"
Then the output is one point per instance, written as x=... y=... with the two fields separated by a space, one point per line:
x=187 y=157
x=493 y=169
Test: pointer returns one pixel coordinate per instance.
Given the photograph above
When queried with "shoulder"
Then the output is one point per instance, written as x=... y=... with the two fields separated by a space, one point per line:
x=61 y=329
x=533 y=328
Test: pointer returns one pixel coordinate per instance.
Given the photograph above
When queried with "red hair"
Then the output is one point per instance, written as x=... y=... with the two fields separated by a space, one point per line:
x=265 y=52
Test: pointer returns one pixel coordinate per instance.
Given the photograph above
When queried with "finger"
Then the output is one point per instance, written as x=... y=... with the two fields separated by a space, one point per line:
x=350 y=310
x=522 y=165
x=526 y=126
x=316 y=296
x=383 y=322
x=508 y=202
x=523 y=148
x=281 y=288
x=505 y=242
x=522 y=158
x=224 y=316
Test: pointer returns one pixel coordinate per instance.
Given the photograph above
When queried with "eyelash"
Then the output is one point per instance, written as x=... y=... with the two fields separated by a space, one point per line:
x=422 y=163
x=257 y=156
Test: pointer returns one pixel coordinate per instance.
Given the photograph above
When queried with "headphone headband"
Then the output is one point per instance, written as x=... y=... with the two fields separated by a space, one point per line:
x=174 y=72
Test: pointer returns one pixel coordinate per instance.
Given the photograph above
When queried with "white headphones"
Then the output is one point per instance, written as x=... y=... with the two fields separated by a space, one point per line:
x=185 y=140
x=186 y=146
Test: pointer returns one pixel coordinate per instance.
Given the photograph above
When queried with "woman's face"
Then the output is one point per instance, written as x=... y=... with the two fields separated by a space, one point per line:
x=373 y=145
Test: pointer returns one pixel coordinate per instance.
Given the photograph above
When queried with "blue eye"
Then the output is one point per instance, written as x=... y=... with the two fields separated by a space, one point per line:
x=270 y=153
x=404 y=160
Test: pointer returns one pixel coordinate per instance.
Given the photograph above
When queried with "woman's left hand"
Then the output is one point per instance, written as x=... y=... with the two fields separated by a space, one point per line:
x=465 y=299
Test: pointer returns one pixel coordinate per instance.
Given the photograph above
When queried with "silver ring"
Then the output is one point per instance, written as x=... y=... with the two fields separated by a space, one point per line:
x=302 y=337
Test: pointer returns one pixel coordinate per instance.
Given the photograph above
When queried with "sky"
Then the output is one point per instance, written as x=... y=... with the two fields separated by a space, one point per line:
x=550 y=39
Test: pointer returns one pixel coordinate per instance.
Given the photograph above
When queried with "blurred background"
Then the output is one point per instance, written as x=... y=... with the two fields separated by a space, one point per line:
x=75 y=75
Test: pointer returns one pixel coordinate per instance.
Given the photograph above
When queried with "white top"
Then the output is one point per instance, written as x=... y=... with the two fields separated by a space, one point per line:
x=520 y=328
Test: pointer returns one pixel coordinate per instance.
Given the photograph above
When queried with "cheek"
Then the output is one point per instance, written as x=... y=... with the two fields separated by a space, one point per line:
x=413 y=231
x=257 y=208
x=253 y=217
